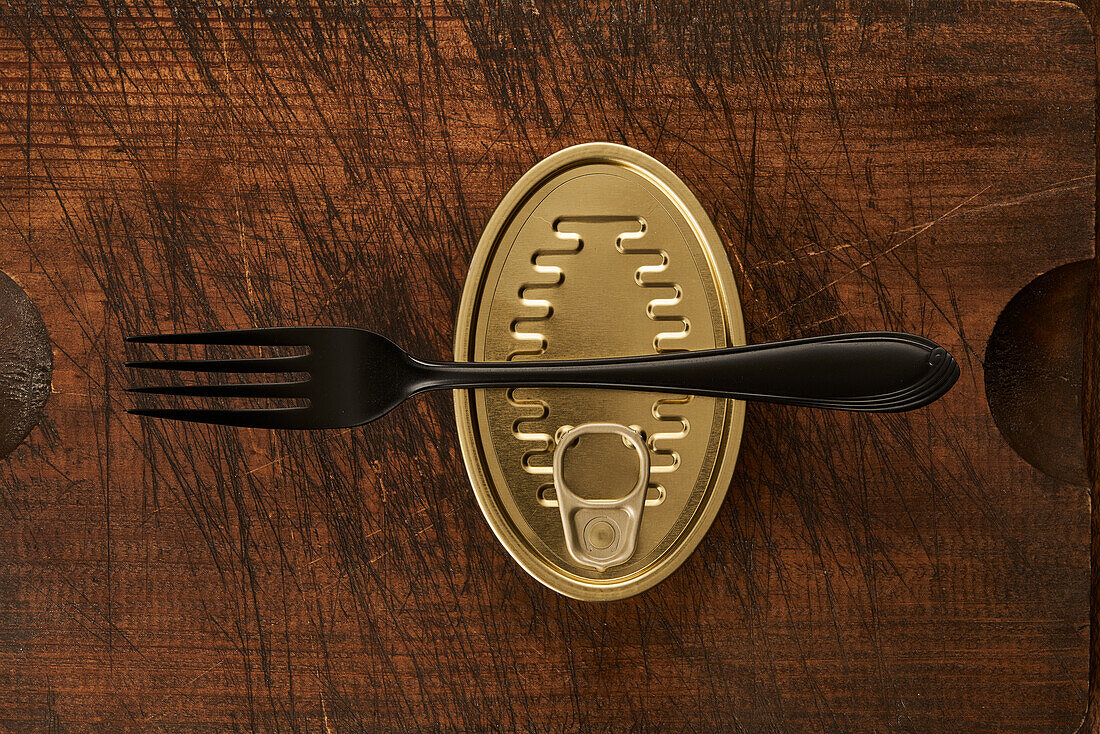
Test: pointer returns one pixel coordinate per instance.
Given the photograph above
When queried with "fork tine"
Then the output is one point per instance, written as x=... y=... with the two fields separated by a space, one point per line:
x=269 y=364
x=249 y=390
x=270 y=418
x=269 y=337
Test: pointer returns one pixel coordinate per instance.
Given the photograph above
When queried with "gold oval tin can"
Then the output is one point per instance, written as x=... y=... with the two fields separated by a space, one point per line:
x=597 y=251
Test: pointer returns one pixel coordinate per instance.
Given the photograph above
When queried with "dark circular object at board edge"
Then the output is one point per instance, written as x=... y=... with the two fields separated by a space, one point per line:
x=26 y=365
x=1034 y=371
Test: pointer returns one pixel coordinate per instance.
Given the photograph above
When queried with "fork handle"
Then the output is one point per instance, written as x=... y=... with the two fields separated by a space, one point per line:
x=880 y=372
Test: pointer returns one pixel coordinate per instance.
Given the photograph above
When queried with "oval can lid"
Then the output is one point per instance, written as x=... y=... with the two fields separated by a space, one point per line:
x=598 y=251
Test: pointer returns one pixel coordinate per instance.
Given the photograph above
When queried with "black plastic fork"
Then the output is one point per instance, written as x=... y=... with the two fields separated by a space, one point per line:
x=356 y=376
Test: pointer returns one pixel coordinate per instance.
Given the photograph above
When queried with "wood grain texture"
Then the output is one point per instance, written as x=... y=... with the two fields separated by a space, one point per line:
x=869 y=165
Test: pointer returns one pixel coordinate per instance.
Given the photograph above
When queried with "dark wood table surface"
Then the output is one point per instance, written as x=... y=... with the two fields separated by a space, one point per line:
x=171 y=166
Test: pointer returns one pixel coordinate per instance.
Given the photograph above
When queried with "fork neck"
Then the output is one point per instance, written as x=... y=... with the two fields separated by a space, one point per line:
x=450 y=375
x=629 y=372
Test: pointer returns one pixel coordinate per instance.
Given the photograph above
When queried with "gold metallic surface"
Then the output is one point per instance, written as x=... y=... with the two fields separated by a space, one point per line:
x=598 y=251
x=600 y=532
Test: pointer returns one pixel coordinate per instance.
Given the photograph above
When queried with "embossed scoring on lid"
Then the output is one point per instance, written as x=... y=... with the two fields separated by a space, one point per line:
x=598 y=251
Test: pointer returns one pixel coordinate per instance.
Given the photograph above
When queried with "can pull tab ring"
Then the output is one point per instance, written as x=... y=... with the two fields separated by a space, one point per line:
x=601 y=533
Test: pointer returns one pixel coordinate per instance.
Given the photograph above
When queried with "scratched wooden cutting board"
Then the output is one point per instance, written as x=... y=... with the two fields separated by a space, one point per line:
x=877 y=165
